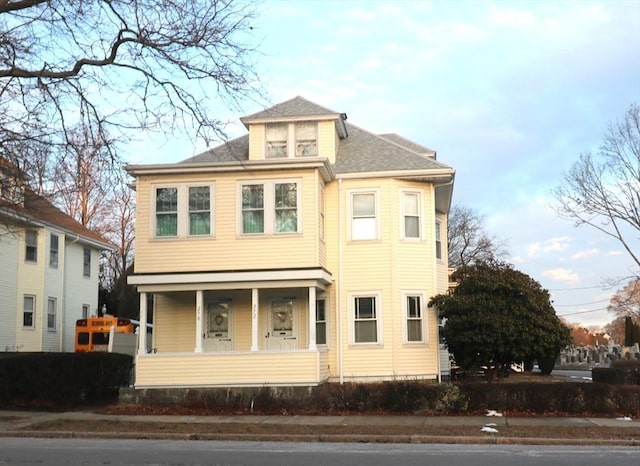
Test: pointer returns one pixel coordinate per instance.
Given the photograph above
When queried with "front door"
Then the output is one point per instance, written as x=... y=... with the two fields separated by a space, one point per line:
x=219 y=336
x=283 y=316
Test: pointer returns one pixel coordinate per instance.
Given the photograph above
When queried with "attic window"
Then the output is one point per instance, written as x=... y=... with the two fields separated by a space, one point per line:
x=306 y=140
x=276 y=141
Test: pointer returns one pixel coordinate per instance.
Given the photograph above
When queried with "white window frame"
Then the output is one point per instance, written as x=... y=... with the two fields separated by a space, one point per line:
x=183 y=212
x=86 y=264
x=404 y=214
x=54 y=253
x=437 y=233
x=301 y=142
x=32 y=310
x=322 y=322
x=52 y=313
x=377 y=296
x=269 y=206
x=267 y=140
x=406 y=318
x=86 y=310
x=353 y=235
x=31 y=244
x=291 y=149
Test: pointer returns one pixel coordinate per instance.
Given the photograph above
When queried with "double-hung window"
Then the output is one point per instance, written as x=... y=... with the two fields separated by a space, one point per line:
x=31 y=246
x=86 y=262
x=52 y=305
x=183 y=211
x=364 y=221
x=366 y=318
x=306 y=139
x=438 y=234
x=321 y=322
x=270 y=207
x=53 y=251
x=277 y=136
x=411 y=215
x=414 y=317
x=28 y=311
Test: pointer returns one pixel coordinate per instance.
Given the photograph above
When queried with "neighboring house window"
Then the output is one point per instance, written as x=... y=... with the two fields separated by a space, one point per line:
x=52 y=306
x=86 y=262
x=53 y=251
x=28 y=311
x=364 y=223
x=413 y=313
x=270 y=207
x=31 y=246
x=306 y=139
x=321 y=213
x=166 y=211
x=411 y=214
x=85 y=310
x=276 y=136
x=199 y=210
x=438 y=239
x=366 y=318
x=321 y=322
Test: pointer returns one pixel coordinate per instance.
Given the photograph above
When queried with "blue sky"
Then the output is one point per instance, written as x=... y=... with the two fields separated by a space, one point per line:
x=509 y=93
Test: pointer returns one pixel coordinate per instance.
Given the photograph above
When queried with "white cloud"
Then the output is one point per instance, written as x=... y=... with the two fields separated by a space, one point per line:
x=550 y=245
x=584 y=254
x=613 y=253
x=562 y=275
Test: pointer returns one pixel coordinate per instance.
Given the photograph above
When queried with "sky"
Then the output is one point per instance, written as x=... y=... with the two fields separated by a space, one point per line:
x=509 y=93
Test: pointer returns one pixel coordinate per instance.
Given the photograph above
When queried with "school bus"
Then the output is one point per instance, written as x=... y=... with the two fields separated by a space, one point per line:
x=92 y=333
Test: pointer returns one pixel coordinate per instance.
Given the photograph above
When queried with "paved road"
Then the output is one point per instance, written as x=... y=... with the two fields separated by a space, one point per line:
x=66 y=452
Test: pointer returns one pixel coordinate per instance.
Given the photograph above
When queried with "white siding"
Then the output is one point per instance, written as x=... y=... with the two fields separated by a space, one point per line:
x=8 y=287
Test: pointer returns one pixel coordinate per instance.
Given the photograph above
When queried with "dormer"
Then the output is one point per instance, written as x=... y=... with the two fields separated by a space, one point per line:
x=294 y=129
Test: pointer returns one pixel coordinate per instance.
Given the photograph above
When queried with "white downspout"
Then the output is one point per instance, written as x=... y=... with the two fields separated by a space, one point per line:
x=199 y=320
x=142 y=335
x=339 y=286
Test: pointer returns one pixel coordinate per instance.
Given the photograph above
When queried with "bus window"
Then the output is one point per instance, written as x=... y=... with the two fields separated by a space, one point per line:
x=83 y=338
x=100 y=338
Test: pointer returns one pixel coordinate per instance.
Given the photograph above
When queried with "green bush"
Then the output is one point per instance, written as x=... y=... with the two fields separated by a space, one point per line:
x=62 y=379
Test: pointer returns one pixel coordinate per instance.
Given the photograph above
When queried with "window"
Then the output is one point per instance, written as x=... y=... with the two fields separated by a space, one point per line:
x=85 y=310
x=364 y=224
x=53 y=251
x=321 y=322
x=52 y=305
x=31 y=246
x=438 y=239
x=86 y=262
x=321 y=211
x=270 y=207
x=413 y=313
x=253 y=208
x=306 y=139
x=28 y=311
x=411 y=214
x=276 y=136
x=199 y=210
x=166 y=211
x=366 y=318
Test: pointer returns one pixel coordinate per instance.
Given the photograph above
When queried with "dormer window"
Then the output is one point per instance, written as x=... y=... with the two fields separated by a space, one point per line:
x=291 y=140
x=277 y=136
x=306 y=139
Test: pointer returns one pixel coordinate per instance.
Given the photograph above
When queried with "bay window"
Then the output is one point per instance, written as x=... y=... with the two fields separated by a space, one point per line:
x=411 y=215
x=366 y=318
x=364 y=221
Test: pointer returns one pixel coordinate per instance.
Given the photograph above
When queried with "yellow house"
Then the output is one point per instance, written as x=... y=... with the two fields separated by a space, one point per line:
x=303 y=252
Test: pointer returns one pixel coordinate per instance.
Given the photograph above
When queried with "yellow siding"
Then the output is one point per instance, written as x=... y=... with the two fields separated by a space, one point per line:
x=229 y=369
x=174 y=322
x=31 y=282
x=256 y=142
x=327 y=140
x=227 y=250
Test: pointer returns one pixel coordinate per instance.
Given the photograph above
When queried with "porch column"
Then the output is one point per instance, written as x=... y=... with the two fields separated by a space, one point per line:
x=199 y=320
x=312 y=317
x=254 y=319
x=142 y=329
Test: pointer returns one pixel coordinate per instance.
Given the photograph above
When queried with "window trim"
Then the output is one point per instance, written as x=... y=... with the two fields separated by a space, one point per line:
x=322 y=322
x=291 y=145
x=54 y=254
x=376 y=194
x=403 y=215
x=183 y=212
x=437 y=234
x=268 y=207
x=33 y=311
x=86 y=311
x=86 y=265
x=406 y=318
x=377 y=296
x=54 y=300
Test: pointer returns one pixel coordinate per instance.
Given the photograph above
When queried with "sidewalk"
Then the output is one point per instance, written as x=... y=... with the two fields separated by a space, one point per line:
x=396 y=429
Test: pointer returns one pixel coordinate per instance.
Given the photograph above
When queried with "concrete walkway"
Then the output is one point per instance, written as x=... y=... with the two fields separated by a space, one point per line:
x=25 y=424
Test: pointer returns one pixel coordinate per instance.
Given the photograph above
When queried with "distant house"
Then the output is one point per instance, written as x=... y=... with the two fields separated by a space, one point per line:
x=48 y=269
x=303 y=252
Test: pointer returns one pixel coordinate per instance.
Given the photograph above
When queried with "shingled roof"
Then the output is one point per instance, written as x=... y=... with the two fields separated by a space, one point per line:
x=359 y=152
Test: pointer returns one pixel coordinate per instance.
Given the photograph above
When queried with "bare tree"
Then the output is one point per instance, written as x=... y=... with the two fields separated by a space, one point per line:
x=626 y=302
x=119 y=67
x=469 y=243
x=603 y=191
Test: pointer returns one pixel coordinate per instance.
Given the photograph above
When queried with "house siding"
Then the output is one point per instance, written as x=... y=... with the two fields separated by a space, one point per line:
x=256 y=142
x=8 y=285
x=327 y=140
x=30 y=282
